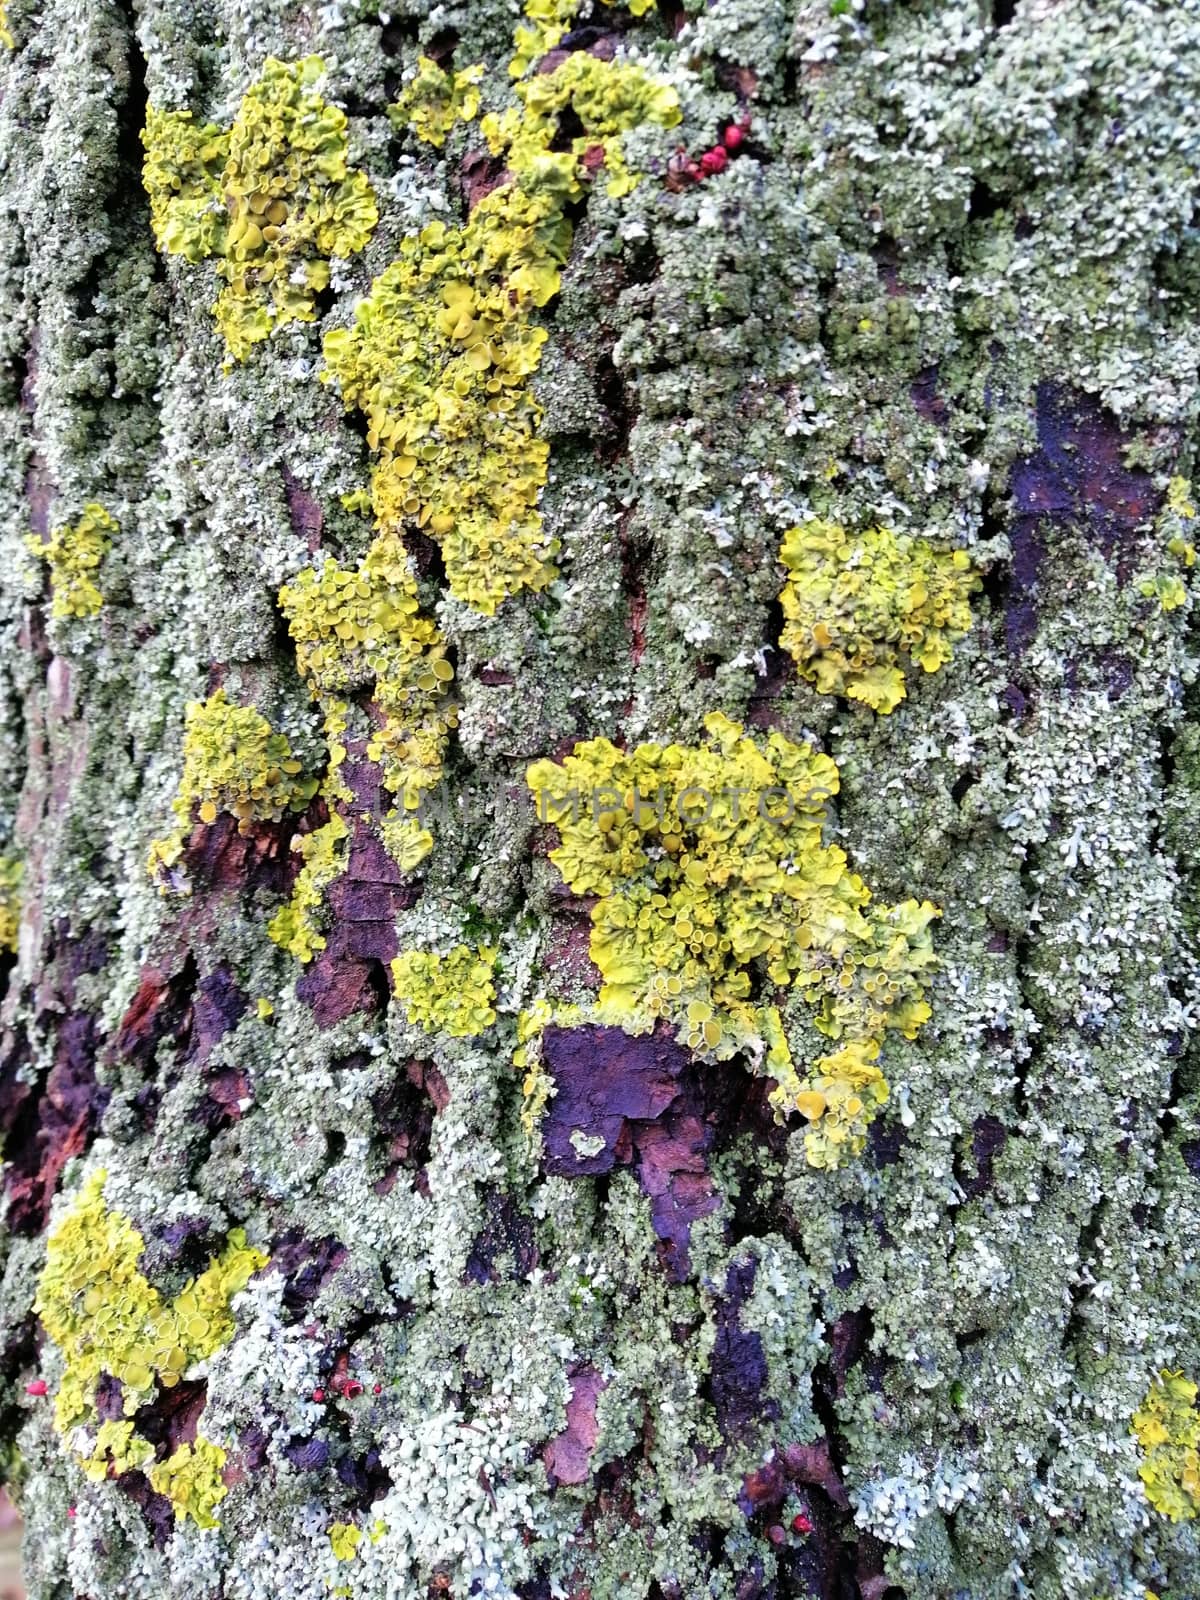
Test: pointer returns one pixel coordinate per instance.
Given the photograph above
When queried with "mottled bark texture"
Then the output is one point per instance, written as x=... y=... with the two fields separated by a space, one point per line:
x=949 y=285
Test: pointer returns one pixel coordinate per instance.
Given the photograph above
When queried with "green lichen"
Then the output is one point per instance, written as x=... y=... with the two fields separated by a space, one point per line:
x=75 y=553
x=451 y=993
x=273 y=199
x=233 y=762
x=440 y=354
x=435 y=101
x=712 y=881
x=106 y=1318
x=1167 y=1427
x=859 y=607
x=11 y=874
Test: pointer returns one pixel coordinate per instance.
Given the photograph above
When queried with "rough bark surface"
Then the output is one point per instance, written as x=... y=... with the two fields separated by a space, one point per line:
x=950 y=284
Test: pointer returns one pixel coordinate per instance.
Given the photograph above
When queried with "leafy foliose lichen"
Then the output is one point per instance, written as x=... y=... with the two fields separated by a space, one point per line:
x=1167 y=1427
x=11 y=874
x=451 y=993
x=107 y=1319
x=435 y=101
x=859 y=606
x=75 y=553
x=361 y=629
x=273 y=199
x=440 y=354
x=233 y=761
x=717 y=893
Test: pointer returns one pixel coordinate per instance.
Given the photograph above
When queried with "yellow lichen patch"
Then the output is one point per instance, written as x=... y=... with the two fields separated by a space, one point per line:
x=361 y=629
x=191 y=1478
x=859 y=607
x=1167 y=1427
x=273 y=199
x=435 y=101
x=116 y=1449
x=233 y=761
x=107 y=1319
x=74 y=554
x=547 y=21
x=714 y=884
x=440 y=354
x=296 y=928
x=537 y=1086
x=6 y=38
x=344 y=1538
x=1172 y=529
x=452 y=993
x=11 y=874
x=605 y=98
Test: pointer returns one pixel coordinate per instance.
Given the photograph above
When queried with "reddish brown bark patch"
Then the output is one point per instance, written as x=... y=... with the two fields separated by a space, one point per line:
x=52 y=1122
x=219 y=855
x=172 y=1417
x=568 y=1456
x=160 y=1009
x=403 y=1121
x=924 y=394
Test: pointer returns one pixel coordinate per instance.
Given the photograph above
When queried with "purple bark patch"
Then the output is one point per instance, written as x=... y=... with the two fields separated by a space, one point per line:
x=655 y=1110
x=306 y=1265
x=217 y=1009
x=156 y=1509
x=1077 y=476
x=738 y=1369
x=508 y=1231
x=647 y=1103
x=988 y=1138
x=307 y=1455
x=606 y=1078
x=348 y=974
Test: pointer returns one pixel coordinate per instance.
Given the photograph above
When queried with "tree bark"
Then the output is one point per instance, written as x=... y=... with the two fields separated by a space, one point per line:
x=943 y=280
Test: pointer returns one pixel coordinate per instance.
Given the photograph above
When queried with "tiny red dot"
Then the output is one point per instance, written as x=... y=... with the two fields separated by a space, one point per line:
x=318 y=1395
